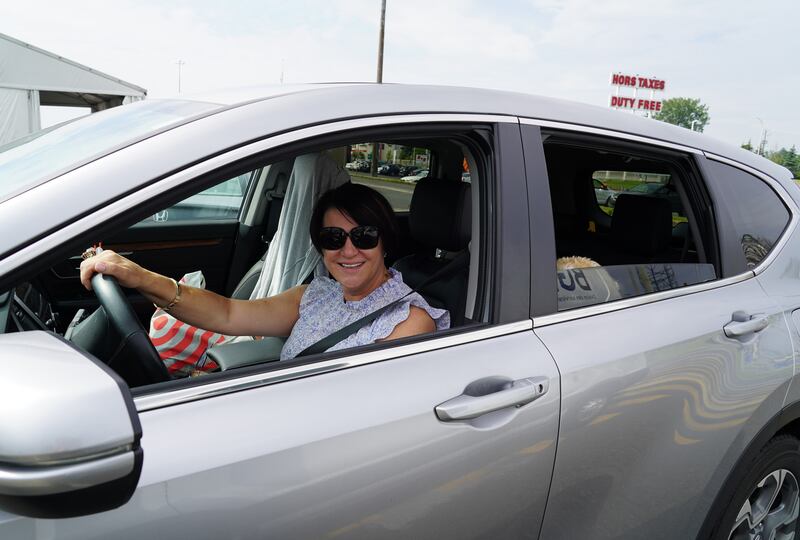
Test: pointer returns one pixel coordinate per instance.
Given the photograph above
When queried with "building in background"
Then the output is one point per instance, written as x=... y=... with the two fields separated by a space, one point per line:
x=31 y=78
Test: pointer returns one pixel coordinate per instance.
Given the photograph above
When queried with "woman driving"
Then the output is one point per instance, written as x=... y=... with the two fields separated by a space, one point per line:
x=353 y=226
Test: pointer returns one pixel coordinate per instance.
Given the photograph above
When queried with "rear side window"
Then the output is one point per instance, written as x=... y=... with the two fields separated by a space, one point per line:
x=624 y=224
x=398 y=169
x=758 y=215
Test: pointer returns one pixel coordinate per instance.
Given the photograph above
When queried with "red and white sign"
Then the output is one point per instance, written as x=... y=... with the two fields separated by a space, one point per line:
x=634 y=81
x=636 y=104
x=637 y=84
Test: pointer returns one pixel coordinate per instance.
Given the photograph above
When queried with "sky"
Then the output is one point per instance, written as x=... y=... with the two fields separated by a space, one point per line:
x=740 y=58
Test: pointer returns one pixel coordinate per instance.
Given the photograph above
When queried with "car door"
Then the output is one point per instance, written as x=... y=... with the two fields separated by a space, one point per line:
x=660 y=391
x=448 y=437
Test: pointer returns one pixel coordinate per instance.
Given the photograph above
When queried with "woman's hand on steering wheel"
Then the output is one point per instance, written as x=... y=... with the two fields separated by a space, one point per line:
x=127 y=273
x=135 y=359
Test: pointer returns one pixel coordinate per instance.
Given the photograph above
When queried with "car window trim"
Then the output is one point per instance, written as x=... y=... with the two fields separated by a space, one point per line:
x=598 y=309
x=185 y=176
x=608 y=133
x=292 y=372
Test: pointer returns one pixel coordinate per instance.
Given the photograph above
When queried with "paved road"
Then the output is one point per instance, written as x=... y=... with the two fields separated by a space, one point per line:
x=398 y=195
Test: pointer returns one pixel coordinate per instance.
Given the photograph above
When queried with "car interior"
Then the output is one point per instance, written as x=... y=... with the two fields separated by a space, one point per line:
x=227 y=226
x=656 y=236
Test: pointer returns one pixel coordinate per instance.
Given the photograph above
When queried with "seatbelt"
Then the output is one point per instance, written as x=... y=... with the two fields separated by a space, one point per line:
x=329 y=341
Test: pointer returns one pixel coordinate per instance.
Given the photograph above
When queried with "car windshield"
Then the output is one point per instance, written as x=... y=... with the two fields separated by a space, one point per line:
x=31 y=160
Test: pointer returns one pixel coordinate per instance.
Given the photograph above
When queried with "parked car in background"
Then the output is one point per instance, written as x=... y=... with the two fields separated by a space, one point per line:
x=604 y=195
x=390 y=169
x=681 y=422
x=416 y=177
x=359 y=165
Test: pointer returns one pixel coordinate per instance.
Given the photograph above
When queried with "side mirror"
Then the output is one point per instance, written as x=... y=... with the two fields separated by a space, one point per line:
x=69 y=432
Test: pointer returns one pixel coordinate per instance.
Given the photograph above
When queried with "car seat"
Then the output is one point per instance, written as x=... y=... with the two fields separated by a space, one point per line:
x=641 y=230
x=291 y=257
x=278 y=178
x=440 y=220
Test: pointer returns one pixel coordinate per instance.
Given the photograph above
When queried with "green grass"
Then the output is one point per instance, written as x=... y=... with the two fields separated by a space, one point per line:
x=381 y=178
x=621 y=185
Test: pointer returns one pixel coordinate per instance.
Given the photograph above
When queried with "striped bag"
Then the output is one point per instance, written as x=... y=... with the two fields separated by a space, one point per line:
x=182 y=346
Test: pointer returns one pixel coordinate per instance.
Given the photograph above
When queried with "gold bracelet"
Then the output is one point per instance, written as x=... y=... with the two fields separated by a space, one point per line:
x=174 y=300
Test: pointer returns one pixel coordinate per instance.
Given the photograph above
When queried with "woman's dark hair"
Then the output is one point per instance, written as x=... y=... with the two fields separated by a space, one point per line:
x=363 y=205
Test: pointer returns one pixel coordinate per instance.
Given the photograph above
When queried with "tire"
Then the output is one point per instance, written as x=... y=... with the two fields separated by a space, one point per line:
x=610 y=202
x=767 y=498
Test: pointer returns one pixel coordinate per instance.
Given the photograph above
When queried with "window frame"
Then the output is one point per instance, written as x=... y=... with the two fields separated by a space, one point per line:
x=677 y=166
x=495 y=278
x=540 y=185
x=177 y=185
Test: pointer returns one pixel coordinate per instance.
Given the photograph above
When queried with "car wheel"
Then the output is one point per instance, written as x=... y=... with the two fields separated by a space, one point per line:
x=766 y=502
x=609 y=202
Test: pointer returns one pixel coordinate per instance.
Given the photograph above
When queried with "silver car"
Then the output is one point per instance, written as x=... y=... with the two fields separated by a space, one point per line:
x=603 y=194
x=416 y=177
x=651 y=393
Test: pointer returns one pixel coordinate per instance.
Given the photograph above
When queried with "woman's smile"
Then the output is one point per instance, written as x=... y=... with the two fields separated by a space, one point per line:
x=351 y=265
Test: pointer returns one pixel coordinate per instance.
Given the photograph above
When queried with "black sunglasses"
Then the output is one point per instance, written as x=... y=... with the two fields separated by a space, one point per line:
x=362 y=237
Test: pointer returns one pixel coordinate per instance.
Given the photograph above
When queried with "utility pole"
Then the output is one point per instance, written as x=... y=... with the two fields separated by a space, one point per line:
x=179 y=64
x=763 y=141
x=380 y=41
x=374 y=167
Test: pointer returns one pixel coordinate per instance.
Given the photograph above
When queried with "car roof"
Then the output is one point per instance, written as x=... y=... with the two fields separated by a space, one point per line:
x=372 y=99
x=247 y=119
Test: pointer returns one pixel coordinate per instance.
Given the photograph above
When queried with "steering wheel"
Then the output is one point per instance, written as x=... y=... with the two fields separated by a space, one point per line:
x=136 y=359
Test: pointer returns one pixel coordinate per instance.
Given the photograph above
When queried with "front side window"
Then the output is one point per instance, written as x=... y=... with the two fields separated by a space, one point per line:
x=267 y=250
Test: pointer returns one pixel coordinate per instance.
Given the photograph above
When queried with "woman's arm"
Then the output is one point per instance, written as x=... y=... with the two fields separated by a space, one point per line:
x=274 y=316
x=418 y=322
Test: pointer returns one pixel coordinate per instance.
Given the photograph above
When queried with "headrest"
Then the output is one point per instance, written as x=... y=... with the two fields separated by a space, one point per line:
x=278 y=178
x=641 y=224
x=291 y=256
x=441 y=214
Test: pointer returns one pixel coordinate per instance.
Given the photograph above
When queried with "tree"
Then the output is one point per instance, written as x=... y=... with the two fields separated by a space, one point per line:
x=684 y=112
x=748 y=145
x=788 y=158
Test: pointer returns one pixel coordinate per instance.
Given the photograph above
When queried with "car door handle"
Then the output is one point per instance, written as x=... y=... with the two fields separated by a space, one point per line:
x=515 y=394
x=744 y=324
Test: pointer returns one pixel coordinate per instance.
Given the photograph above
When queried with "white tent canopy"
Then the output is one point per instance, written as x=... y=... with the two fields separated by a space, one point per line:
x=30 y=77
